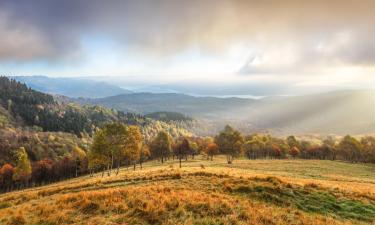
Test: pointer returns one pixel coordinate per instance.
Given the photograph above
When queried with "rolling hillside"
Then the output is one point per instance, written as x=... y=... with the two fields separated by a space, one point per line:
x=258 y=192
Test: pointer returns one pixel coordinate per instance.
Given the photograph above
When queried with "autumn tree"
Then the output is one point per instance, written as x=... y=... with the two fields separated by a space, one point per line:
x=132 y=145
x=79 y=156
x=42 y=171
x=99 y=157
x=115 y=139
x=330 y=146
x=116 y=142
x=144 y=154
x=229 y=142
x=6 y=176
x=350 y=148
x=293 y=142
x=211 y=150
x=161 y=146
x=305 y=149
x=194 y=148
x=368 y=144
x=22 y=172
x=253 y=148
x=203 y=144
x=294 y=152
x=183 y=149
x=276 y=151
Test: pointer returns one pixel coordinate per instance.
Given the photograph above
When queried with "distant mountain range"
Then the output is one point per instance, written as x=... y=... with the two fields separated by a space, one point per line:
x=207 y=107
x=71 y=87
x=339 y=112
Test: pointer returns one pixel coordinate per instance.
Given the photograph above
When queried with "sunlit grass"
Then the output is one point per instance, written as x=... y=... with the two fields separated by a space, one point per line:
x=204 y=192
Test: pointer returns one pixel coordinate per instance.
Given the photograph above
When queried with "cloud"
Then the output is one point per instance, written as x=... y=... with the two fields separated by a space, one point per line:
x=313 y=54
x=21 y=41
x=283 y=35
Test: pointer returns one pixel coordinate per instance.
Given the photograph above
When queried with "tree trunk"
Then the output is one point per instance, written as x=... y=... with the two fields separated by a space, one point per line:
x=118 y=168
x=229 y=159
x=180 y=161
x=110 y=171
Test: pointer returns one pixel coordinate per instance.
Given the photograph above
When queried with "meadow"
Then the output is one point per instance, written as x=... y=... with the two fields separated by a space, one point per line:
x=204 y=192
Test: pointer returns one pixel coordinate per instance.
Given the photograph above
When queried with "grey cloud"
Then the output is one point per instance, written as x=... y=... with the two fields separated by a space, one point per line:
x=53 y=29
x=352 y=47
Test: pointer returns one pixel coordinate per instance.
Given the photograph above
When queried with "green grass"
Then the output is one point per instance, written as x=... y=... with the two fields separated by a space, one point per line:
x=305 y=169
x=307 y=198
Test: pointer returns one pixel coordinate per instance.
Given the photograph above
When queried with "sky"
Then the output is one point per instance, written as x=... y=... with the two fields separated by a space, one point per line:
x=291 y=44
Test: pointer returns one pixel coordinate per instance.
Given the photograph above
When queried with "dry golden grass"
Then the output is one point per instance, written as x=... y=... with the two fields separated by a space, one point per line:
x=247 y=192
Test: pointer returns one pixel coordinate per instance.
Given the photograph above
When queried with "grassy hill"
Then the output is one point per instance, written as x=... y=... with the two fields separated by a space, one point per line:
x=205 y=192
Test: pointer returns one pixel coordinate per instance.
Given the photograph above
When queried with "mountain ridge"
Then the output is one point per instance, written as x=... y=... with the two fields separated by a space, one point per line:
x=344 y=111
x=78 y=87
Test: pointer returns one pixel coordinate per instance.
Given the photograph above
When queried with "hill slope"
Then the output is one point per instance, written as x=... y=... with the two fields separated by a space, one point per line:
x=247 y=192
x=51 y=130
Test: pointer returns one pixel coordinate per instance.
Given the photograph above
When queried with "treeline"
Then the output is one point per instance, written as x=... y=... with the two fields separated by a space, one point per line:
x=233 y=144
x=24 y=173
x=119 y=144
x=52 y=156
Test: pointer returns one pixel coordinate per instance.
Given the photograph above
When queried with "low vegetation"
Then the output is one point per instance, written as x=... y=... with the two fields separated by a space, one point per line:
x=204 y=192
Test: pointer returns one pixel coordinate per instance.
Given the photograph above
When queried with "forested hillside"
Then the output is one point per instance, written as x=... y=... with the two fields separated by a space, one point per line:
x=31 y=108
x=56 y=136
